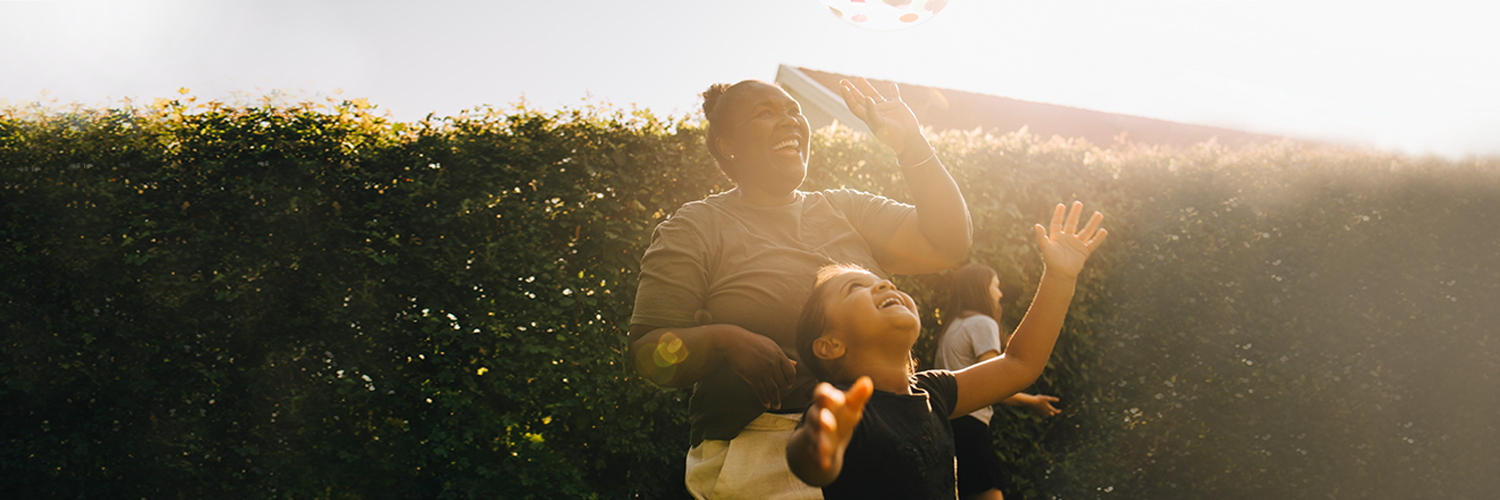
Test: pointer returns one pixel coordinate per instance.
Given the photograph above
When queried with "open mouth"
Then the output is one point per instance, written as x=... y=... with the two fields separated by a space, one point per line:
x=788 y=147
x=893 y=301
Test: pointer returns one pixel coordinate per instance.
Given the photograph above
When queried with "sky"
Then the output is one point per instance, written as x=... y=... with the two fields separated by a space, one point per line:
x=1418 y=77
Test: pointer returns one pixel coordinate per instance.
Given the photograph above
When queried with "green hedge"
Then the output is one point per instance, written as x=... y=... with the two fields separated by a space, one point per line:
x=312 y=301
x=316 y=302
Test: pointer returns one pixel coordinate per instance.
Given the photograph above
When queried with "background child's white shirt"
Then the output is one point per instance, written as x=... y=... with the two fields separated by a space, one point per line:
x=962 y=343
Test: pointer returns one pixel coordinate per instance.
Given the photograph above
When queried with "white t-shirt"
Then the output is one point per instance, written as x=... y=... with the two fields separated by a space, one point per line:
x=963 y=342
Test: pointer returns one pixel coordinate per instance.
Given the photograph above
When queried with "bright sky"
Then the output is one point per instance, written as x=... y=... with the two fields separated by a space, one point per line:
x=1418 y=76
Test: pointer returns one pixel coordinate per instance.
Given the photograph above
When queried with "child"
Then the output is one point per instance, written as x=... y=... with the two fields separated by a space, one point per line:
x=887 y=435
x=971 y=334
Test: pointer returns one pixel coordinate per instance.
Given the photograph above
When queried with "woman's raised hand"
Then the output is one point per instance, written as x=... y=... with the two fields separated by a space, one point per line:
x=889 y=118
x=1064 y=248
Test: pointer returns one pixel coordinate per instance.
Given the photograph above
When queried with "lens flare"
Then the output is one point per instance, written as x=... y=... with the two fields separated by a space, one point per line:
x=669 y=351
x=885 y=15
x=660 y=362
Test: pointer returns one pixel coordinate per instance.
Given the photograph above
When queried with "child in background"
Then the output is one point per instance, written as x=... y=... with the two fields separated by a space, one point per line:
x=886 y=433
x=971 y=334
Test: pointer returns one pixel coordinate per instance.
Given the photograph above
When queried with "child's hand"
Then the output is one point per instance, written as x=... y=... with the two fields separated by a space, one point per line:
x=834 y=415
x=1041 y=404
x=1064 y=250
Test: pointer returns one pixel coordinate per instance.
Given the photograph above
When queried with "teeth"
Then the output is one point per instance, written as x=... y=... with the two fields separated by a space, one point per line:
x=789 y=143
x=890 y=302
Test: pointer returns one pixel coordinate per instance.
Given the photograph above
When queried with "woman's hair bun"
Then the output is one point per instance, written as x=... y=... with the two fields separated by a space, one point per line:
x=712 y=95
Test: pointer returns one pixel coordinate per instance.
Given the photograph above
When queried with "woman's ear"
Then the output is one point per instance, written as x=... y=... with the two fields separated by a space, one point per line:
x=828 y=348
x=723 y=146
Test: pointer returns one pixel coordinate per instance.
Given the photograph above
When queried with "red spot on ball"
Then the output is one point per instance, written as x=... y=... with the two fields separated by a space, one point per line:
x=858 y=18
x=909 y=18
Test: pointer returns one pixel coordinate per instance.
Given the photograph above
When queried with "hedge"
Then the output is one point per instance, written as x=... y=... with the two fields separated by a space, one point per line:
x=315 y=301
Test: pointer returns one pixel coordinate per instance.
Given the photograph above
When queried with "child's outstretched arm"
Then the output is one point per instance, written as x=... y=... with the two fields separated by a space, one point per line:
x=1039 y=404
x=815 y=452
x=1064 y=250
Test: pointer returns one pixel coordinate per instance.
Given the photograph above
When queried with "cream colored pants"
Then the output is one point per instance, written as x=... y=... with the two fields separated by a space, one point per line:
x=750 y=466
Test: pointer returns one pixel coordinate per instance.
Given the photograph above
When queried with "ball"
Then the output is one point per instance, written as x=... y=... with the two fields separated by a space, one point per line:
x=885 y=15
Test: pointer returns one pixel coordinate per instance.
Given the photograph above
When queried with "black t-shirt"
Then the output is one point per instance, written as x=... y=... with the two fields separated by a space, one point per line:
x=903 y=447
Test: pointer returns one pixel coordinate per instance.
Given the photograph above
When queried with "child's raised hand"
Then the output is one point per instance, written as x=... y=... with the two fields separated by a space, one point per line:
x=835 y=413
x=1064 y=248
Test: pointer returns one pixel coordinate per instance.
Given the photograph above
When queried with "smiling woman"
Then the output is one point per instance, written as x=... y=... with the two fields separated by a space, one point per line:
x=763 y=145
x=724 y=279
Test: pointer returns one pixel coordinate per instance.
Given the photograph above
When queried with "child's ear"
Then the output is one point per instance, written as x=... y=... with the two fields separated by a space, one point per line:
x=828 y=348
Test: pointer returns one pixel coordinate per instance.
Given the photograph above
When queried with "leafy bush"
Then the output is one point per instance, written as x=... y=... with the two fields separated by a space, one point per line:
x=1294 y=323
x=314 y=301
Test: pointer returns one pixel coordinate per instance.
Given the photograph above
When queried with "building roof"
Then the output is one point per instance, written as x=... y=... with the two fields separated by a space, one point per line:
x=945 y=109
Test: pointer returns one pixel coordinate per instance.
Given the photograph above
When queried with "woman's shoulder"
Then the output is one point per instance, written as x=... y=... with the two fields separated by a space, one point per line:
x=701 y=211
x=841 y=195
x=710 y=202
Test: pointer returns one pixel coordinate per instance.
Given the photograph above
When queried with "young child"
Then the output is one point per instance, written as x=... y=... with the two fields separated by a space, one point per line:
x=971 y=334
x=886 y=434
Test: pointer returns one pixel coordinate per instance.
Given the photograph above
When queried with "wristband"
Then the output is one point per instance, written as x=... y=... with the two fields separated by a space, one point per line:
x=925 y=160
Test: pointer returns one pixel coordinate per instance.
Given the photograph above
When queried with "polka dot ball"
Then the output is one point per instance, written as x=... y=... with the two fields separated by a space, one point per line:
x=885 y=15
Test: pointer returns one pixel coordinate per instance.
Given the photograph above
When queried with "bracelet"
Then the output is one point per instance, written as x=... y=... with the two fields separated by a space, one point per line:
x=917 y=164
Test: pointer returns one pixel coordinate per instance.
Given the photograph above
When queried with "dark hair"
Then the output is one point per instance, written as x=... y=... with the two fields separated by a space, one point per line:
x=715 y=106
x=814 y=323
x=814 y=320
x=968 y=290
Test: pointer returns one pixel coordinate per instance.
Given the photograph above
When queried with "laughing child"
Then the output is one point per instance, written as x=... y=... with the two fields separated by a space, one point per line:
x=884 y=431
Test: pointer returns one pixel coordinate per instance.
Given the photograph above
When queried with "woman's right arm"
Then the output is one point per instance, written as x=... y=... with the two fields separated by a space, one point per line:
x=939 y=233
x=679 y=357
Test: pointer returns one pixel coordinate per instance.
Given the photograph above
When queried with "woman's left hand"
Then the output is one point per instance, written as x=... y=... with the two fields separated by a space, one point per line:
x=889 y=118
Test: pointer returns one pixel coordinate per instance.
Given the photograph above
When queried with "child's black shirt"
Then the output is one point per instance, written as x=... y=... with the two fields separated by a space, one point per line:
x=903 y=446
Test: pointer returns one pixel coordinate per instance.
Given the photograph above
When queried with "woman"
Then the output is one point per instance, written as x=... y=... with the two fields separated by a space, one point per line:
x=971 y=334
x=724 y=279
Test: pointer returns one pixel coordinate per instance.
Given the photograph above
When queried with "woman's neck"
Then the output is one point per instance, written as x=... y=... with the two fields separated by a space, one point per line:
x=764 y=199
